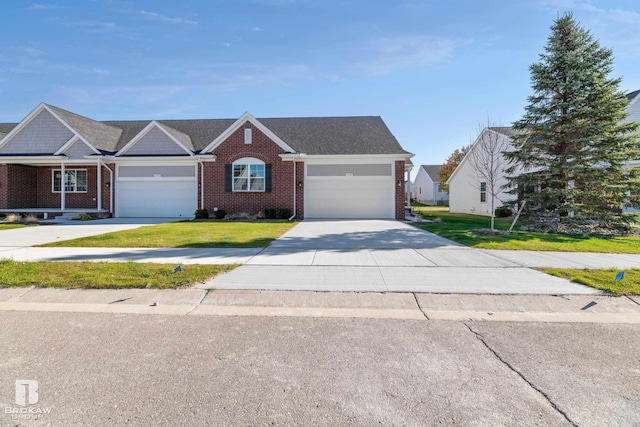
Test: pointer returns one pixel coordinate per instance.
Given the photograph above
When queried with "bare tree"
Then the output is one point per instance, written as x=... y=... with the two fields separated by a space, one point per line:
x=487 y=159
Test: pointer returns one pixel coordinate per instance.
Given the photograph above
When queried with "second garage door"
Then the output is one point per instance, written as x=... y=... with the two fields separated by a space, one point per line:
x=349 y=191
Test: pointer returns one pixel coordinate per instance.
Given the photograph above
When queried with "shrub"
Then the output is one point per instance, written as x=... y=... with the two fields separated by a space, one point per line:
x=202 y=214
x=270 y=213
x=220 y=214
x=29 y=219
x=284 y=213
x=84 y=217
x=12 y=217
x=503 y=212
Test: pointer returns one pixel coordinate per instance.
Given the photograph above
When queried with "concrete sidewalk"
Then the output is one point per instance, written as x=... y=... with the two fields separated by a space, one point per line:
x=408 y=306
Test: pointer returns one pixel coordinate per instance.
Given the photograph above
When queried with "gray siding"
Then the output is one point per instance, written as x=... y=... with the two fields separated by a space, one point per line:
x=43 y=135
x=155 y=142
x=78 y=150
x=351 y=169
x=159 y=171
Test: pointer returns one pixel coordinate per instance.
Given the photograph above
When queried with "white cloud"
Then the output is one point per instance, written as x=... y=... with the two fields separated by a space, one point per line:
x=394 y=53
x=162 y=18
x=41 y=6
x=94 y=26
x=101 y=72
x=584 y=5
x=256 y=29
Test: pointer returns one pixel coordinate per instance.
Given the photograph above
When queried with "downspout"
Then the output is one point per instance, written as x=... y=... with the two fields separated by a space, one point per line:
x=63 y=184
x=295 y=185
x=99 y=184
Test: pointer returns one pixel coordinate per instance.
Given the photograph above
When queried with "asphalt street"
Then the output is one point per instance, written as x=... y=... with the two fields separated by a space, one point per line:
x=117 y=369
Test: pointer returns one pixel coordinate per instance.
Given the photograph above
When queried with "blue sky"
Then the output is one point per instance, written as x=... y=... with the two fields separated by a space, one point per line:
x=434 y=70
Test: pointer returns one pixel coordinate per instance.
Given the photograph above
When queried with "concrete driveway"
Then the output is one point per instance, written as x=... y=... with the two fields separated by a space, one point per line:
x=384 y=256
x=55 y=232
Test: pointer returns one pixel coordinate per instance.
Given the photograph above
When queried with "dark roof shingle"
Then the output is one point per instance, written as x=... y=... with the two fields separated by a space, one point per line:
x=433 y=171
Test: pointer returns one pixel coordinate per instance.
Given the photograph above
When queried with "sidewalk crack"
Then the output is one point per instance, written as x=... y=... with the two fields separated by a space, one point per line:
x=199 y=302
x=513 y=369
x=415 y=297
x=632 y=300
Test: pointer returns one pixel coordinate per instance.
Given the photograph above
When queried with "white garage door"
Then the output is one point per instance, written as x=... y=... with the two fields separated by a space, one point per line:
x=160 y=195
x=349 y=191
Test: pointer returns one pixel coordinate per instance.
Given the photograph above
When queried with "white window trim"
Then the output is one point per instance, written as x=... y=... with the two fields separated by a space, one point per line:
x=248 y=161
x=62 y=182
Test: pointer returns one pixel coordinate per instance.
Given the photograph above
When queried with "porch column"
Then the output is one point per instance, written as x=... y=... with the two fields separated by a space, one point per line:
x=99 y=184
x=63 y=182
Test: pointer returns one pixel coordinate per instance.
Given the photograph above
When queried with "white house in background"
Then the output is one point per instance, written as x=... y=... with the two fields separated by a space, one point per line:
x=468 y=192
x=427 y=188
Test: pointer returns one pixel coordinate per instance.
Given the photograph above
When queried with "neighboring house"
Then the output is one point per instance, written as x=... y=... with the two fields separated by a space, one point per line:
x=427 y=188
x=55 y=161
x=468 y=193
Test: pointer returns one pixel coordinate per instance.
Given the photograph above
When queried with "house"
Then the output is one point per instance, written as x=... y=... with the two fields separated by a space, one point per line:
x=427 y=188
x=468 y=192
x=55 y=161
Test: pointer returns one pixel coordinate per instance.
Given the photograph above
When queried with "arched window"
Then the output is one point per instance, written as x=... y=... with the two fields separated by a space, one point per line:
x=248 y=174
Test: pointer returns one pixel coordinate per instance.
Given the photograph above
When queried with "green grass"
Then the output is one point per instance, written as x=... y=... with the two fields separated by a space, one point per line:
x=9 y=226
x=601 y=279
x=188 y=234
x=458 y=227
x=103 y=275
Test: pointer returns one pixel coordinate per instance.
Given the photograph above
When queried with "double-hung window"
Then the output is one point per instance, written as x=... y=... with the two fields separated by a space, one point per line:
x=249 y=175
x=75 y=181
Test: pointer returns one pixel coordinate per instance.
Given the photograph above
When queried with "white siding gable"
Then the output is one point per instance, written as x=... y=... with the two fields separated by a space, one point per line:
x=155 y=142
x=423 y=187
x=44 y=134
x=634 y=111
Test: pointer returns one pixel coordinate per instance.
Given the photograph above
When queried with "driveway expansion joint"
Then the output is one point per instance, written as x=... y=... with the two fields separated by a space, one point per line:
x=554 y=405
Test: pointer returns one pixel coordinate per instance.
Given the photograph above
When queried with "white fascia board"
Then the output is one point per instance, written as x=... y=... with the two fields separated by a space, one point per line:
x=45 y=160
x=356 y=158
x=75 y=138
x=147 y=160
x=146 y=130
x=466 y=157
x=236 y=125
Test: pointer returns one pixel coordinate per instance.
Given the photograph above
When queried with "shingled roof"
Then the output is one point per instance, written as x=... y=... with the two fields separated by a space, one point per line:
x=633 y=94
x=98 y=134
x=433 y=171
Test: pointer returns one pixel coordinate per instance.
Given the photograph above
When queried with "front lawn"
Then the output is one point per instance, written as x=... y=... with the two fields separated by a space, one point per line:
x=9 y=226
x=458 y=227
x=187 y=234
x=601 y=279
x=103 y=275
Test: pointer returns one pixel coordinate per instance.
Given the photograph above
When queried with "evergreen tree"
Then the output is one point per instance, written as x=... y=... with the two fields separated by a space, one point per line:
x=575 y=143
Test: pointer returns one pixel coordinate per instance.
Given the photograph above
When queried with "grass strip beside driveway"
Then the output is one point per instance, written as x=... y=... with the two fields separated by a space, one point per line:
x=603 y=279
x=458 y=227
x=187 y=234
x=105 y=275
x=9 y=226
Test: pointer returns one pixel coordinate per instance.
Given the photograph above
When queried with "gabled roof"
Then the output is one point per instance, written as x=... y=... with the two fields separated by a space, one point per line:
x=504 y=130
x=358 y=135
x=632 y=95
x=99 y=135
x=433 y=171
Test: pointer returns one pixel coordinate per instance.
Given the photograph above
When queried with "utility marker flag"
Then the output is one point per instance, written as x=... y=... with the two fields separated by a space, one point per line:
x=178 y=268
x=620 y=275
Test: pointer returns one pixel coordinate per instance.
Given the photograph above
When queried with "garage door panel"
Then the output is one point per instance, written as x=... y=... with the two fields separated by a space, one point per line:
x=346 y=197
x=164 y=199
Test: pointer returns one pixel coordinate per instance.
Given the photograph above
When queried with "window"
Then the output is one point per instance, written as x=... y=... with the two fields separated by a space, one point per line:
x=439 y=187
x=248 y=175
x=483 y=192
x=75 y=181
x=247 y=136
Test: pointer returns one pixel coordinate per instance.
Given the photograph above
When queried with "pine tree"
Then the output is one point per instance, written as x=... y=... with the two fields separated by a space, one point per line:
x=574 y=143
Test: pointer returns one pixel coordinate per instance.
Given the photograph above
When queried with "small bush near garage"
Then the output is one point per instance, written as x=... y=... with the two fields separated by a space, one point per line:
x=284 y=213
x=270 y=213
x=202 y=214
x=220 y=214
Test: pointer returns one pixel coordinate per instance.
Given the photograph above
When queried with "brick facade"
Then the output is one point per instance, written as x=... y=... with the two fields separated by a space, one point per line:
x=400 y=213
x=264 y=149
